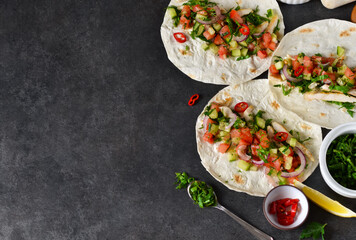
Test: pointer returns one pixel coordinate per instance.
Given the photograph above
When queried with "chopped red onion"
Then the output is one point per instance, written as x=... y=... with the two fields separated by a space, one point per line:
x=289 y=77
x=301 y=167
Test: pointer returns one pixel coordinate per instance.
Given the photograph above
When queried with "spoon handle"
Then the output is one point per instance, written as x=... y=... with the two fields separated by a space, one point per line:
x=254 y=231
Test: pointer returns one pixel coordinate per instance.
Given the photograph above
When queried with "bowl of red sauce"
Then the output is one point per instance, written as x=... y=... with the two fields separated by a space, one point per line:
x=286 y=207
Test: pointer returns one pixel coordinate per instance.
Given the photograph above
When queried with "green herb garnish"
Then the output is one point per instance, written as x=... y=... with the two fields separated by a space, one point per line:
x=183 y=180
x=349 y=106
x=341 y=160
x=314 y=230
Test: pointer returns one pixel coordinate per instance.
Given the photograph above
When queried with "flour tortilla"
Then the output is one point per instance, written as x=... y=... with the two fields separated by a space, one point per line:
x=203 y=65
x=317 y=37
x=255 y=183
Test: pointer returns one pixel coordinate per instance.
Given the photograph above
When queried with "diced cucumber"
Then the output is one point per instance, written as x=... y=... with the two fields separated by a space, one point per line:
x=201 y=17
x=347 y=80
x=172 y=12
x=213 y=129
x=274 y=38
x=213 y=48
x=273 y=151
x=340 y=51
x=205 y=46
x=253 y=168
x=288 y=162
x=214 y=114
x=235 y=140
x=244 y=52
x=292 y=142
x=236 y=53
x=243 y=43
x=243 y=165
x=232 y=156
x=211 y=31
x=340 y=81
x=223 y=134
x=285 y=150
x=196 y=25
x=282 y=180
x=341 y=70
x=307 y=76
x=330 y=69
x=279 y=65
x=260 y=122
x=217 y=26
x=233 y=45
x=200 y=30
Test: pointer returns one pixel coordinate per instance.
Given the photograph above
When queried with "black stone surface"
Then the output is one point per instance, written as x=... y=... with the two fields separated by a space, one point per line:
x=94 y=123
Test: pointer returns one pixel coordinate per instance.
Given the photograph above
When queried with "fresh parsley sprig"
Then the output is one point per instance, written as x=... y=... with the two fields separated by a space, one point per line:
x=314 y=230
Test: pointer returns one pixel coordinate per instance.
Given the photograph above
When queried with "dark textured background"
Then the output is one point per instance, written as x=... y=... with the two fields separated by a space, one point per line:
x=94 y=123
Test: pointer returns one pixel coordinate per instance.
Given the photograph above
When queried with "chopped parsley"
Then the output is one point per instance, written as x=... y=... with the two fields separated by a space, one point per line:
x=183 y=180
x=347 y=105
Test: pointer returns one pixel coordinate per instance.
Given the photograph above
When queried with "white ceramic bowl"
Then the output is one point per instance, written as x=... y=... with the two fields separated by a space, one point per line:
x=346 y=128
x=286 y=191
x=294 y=1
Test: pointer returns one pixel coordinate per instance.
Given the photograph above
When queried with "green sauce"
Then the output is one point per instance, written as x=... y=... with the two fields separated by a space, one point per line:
x=341 y=160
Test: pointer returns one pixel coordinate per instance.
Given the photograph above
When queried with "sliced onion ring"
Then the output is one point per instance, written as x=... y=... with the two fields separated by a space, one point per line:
x=289 y=77
x=214 y=19
x=205 y=122
x=301 y=167
x=261 y=162
x=241 y=38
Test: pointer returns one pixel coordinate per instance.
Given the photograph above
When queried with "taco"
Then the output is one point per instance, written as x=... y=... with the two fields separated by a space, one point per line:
x=251 y=144
x=222 y=42
x=313 y=72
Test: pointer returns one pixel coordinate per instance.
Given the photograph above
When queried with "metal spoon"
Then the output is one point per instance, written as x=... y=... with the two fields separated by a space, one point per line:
x=254 y=231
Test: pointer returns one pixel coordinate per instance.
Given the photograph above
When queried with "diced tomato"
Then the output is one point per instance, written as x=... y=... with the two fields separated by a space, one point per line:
x=295 y=64
x=210 y=121
x=317 y=71
x=251 y=47
x=223 y=147
x=222 y=52
x=186 y=11
x=329 y=60
x=254 y=149
x=272 y=46
x=349 y=74
x=255 y=141
x=242 y=133
x=208 y=36
x=215 y=106
x=308 y=65
x=218 y=40
x=291 y=180
x=296 y=162
x=200 y=10
x=263 y=45
x=225 y=32
x=234 y=15
x=186 y=23
x=316 y=59
x=267 y=38
x=331 y=77
x=273 y=69
x=275 y=162
x=242 y=143
x=263 y=138
x=208 y=137
x=262 y=54
x=221 y=22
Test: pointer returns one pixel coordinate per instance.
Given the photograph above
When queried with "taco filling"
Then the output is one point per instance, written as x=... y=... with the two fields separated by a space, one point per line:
x=318 y=78
x=238 y=33
x=255 y=143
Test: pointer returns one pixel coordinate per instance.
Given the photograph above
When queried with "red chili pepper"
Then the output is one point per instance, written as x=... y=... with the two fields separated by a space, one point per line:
x=299 y=71
x=244 y=30
x=280 y=136
x=273 y=208
x=193 y=99
x=241 y=107
x=180 y=37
